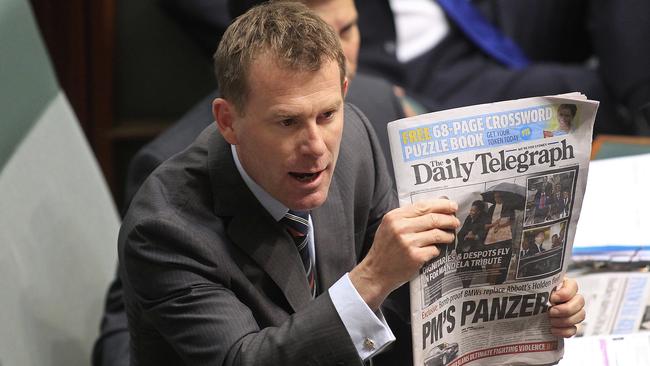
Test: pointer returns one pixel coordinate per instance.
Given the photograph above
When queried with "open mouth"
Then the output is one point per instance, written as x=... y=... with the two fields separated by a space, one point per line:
x=305 y=177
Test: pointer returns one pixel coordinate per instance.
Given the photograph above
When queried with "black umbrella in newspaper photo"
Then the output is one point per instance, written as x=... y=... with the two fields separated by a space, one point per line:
x=512 y=194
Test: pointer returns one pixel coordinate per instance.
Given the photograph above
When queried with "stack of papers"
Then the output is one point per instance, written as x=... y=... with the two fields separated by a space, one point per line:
x=615 y=331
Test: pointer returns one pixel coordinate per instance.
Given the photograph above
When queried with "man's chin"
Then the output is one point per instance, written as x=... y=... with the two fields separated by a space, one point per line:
x=308 y=202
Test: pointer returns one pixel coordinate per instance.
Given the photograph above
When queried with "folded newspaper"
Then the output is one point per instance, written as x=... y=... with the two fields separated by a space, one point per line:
x=517 y=170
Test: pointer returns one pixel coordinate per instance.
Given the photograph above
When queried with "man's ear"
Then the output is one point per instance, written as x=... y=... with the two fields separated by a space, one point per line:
x=225 y=115
x=345 y=87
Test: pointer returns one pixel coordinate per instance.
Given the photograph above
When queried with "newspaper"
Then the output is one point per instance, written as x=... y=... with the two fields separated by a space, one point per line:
x=617 y=328
x=616 y=303
x=517 y=170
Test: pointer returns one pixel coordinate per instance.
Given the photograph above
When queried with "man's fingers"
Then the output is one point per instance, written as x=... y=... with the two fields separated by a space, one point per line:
x=443 y=206
x=431 y=237
x=428 y=253
x=431 y=221
x=566 y=309
x=565 y=292
x=568 y=321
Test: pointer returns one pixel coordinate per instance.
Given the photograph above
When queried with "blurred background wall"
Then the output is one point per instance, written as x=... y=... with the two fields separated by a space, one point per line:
x=128 y=70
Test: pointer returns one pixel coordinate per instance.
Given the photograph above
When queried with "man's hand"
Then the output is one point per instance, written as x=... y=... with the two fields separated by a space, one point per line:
x=567 y=309
x=405 y=240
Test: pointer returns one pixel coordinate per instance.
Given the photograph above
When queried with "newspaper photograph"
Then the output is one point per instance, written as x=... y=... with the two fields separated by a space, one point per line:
x=517 y=170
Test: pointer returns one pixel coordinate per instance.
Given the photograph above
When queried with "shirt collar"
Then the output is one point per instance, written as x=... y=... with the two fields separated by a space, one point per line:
x=273 y=206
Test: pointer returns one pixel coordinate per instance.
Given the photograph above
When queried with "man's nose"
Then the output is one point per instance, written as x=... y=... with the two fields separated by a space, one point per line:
x=313 y=142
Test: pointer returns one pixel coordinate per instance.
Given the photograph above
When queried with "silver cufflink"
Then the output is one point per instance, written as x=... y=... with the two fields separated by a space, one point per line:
x=369 y=344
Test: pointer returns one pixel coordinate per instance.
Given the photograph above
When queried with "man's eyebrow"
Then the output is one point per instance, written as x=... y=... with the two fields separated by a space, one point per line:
x=334 y=105
x=284 y=114
x=349 y=25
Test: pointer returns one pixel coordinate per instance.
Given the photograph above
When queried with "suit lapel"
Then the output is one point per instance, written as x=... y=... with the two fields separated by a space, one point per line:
x=272 y=248
x=252 y=228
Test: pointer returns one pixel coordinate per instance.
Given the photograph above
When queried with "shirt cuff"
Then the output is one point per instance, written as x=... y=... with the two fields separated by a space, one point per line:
x=369 y=331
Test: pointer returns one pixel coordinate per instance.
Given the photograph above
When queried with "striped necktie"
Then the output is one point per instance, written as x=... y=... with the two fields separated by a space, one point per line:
x=297 y=224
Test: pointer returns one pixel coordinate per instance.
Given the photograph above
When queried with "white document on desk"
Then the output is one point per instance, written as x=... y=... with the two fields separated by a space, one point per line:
x=618 y=317
x=615 y=303
x=616 y=210
x=627 y=350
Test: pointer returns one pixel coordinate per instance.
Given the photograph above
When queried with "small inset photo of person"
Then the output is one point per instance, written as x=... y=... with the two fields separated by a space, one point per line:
x=541 y=250
x=566 y=113
x=549 y=197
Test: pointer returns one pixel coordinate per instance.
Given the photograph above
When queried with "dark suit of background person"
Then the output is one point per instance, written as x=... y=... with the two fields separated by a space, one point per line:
x=199 y=199
x=558 y=36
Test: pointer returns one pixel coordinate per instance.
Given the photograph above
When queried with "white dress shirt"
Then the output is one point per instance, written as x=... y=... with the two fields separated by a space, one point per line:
x=419 y=25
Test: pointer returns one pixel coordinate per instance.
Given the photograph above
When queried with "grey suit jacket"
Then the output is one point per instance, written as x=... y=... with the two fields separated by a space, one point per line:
x=210 y=278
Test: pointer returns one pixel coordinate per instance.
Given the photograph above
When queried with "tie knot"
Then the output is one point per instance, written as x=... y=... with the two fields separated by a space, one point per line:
x=297 y=221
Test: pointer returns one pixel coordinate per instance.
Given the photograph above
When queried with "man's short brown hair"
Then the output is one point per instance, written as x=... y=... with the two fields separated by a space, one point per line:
x=294 y=37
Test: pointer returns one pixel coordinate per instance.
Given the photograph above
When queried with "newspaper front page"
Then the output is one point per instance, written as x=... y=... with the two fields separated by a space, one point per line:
x=517 y=170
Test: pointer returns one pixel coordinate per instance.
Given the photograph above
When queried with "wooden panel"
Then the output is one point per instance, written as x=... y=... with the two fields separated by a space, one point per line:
x=80 y=37
x=63 y=27
x=631 y=145
x=100 y=88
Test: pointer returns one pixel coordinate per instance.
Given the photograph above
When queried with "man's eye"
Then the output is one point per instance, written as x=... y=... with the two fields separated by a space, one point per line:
x=347 y=30
x=328 y=115
x=287 y=122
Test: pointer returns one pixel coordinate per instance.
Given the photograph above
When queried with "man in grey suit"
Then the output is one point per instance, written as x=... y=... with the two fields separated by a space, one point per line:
x=374 y=96
x=213 y=276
